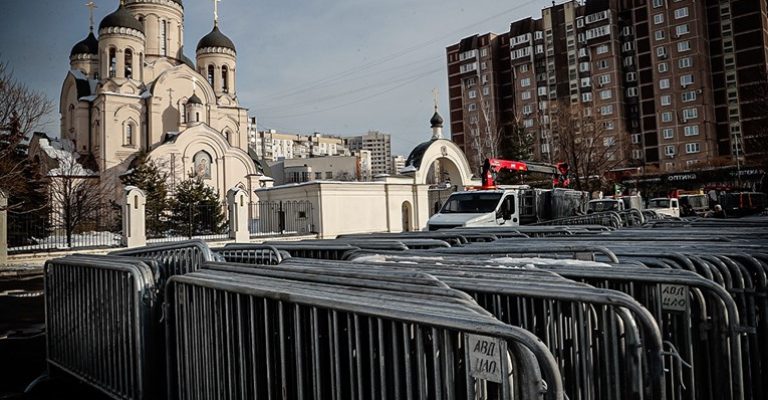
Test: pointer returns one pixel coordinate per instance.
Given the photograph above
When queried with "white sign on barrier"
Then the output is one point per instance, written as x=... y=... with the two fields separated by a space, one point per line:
x=674 y=297
x=485 y=357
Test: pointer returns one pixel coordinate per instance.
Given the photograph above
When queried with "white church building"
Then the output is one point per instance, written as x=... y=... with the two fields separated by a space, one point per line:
x=131 y=89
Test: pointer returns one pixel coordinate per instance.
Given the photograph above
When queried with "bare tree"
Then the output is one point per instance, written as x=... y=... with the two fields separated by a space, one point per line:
x=21 y=111
x=79 y=200
x=584 y=141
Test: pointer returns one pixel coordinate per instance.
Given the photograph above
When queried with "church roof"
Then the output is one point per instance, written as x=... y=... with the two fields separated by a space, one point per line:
x=417 y=155
x=121 y=18
x=194 y=100
x=89 y=45
x=215 y=39
x=436 y=121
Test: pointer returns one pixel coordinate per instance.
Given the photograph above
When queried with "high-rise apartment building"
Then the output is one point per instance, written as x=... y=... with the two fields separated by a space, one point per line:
x=380 y=146
x=398 y=163
x=669 y=83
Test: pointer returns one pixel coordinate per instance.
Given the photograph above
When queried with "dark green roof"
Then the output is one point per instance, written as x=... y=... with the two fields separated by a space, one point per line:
x=89 y=45
x=216 y=39
x=194 y=100
x=121 y=18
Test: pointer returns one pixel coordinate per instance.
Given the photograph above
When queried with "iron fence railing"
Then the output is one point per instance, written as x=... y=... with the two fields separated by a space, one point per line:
x=195 y=221
x=280 y=217
x=62 y=228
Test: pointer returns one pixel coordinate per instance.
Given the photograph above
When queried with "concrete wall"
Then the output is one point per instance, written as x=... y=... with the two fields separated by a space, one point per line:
x=357 y=207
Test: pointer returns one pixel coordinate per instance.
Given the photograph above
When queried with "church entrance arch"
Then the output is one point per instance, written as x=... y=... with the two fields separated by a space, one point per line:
x=439 y=161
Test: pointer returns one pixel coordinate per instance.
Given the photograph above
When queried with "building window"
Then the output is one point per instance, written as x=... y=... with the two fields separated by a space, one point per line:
x=129 y=132
x=523 y=68
x=112 y=62
x=683 y=46
x=691 y=130
x=583 y=67
x=635 y=138
x=609 y=125
x=668 y=133
x=658 y=19
x=637 y=154
x=525 y=82
x=486 y=91
x=604 y=79
x=685 y=62
x=666 y=100
x=210 y=75
x=128 y=63
x=688 y=96
x=681 y=30
x=197 y=117
x=664 y=84
x=526 y=95
x=472 y=107
x=666 y=116
x=629 y=61
x=686 y=80
x=661 y=51
x=690 y=113
x=484 y=52
x=586 y=82
x=663 y=67
x=587 y=96
x=603 y=64
x=224 y=79
x=603 y=48
x=631 y=77
x=163 y=37
x=692 y=148
x=659 y=35
x=658 y=3
x=632 y=92
x=472 y=94
x=606 y=94
x=606 y=110
x=681 y=13
x=669 y=150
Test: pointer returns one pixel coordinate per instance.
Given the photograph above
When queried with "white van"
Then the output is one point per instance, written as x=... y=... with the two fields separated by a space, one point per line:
x=663 y=205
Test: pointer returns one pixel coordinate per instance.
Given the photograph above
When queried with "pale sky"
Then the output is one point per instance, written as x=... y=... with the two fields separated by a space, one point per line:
x=339 y=67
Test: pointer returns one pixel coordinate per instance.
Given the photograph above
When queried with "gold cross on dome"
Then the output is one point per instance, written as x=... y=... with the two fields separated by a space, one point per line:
x=91 y=6
x=216 y=11
x=435 y=92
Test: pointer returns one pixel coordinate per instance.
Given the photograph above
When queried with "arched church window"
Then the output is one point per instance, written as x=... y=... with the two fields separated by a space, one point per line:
x=210 y=75
x=228 y=136
x=183 y=109
x=71 y=117
x=128 y=63
x=163 y=37
x=197 y=117
x=225 y=79
x=129 y=132
x=112 y=62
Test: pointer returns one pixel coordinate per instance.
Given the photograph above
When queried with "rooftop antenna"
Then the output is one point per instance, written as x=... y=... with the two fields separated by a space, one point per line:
x=91 y=5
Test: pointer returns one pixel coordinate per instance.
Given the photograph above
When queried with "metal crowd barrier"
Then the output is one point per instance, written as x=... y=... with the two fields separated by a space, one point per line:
x=176 y=258
x=298 y=339
x=252 y=253
x=101 y=320
x=610 y=219
x=585 y=328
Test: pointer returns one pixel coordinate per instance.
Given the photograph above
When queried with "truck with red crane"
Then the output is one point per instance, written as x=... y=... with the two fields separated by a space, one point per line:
x=497 y=205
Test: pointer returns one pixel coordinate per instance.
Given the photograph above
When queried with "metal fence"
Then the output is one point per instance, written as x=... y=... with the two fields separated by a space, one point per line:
x=196 y=221
x=281 y=218
x=49 y=229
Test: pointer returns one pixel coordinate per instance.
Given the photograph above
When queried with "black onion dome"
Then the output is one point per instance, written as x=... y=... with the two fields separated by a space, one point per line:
x=194 y=100
x=215 y=39
x=121 y=18
x=436 y=121
x=89 y=45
